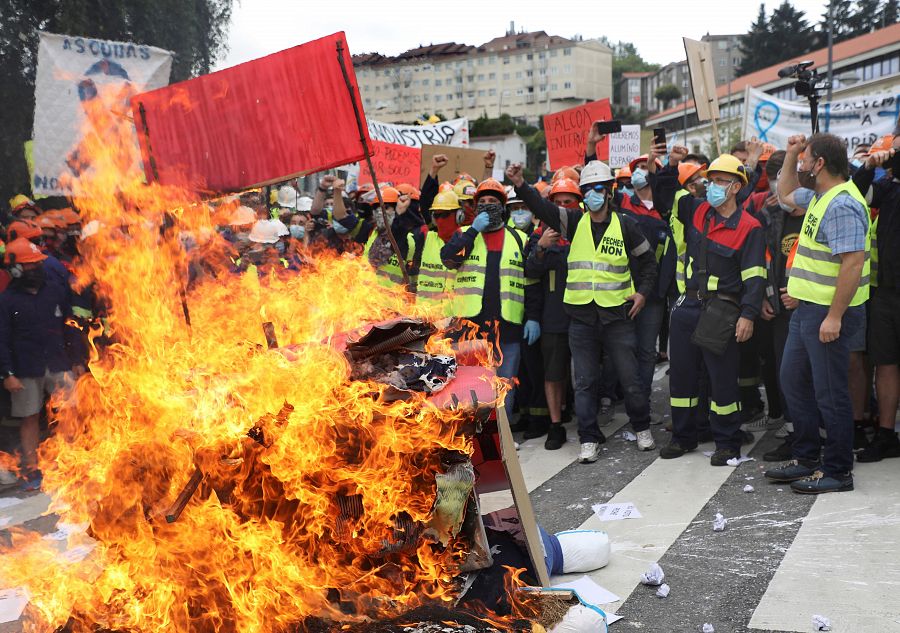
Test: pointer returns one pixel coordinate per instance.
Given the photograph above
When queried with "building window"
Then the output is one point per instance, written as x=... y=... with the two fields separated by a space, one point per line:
x=459 y=80
x=481 y=61
x=470 y=94
x=519 y=74
x=438 y=98
x=543 y=88
x=567 y=85
x=722 y=62
x=542 y=55
x=368 y=101
x=506 y=60
x=530 y=88
x=723 y=44
x=554 y=52
x=427 y=96
x=449 y=96
x=470 y=63
x=492 y=92
x=520 y=92
x=735 y=61
x=438 y=82
x=426 y=82
x=554 y=87
x=567 y=69
x=567 y=51
x=492 y=76
x=506 y=76
x=529 y=57
x=480 y=76
x=377 y=88
x=481 y=93
x=529 y=73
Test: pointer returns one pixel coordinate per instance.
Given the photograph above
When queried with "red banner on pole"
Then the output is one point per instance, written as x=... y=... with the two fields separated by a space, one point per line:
x=566 y=133
x=393 y=163
x=258 y=123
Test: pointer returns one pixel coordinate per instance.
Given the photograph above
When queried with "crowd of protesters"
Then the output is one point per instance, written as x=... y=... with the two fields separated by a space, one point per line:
x=774 y=268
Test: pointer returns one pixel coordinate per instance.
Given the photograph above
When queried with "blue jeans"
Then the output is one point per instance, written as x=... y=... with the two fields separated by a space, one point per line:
x=815 y=381
x=509 y=368
x=619 y=341
x=648 y=323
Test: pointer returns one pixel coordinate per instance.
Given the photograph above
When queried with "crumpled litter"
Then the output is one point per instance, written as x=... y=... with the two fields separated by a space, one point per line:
x=708 y=628
x=821 y=623
x=628 y=436
x=719 y=523
x=737 y=461
x=663 y=591
x=654 y=576
x=748 y=488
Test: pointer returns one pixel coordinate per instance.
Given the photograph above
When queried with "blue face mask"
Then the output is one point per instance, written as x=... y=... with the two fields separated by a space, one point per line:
x=639 y=178
x=594 y=200
x=627 y=191
x=856 y=163
x=297 y=231
x=339 y=228
x=716 y=194
x=280 y=247
x=521 y=219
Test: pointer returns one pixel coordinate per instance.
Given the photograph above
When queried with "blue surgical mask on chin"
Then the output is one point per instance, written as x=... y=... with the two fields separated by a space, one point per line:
x=594 y=200
x=639 y=178
x=716 y=194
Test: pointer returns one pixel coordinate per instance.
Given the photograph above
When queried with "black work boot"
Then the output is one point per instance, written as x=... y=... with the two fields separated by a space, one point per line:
x=885 y=444
x=556 y=437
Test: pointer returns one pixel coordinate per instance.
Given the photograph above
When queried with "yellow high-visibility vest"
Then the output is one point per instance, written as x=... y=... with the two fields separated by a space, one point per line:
x=598 y=274
x=468 y=289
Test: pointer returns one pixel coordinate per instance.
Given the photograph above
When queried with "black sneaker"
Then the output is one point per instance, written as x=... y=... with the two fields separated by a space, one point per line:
x=722 y=455
x=673 y=450
x=860 y=438
x=885 y=444
x=794 y=470
x=537 y=428
x=782 y=452
x=556 y=437
x=820 y=483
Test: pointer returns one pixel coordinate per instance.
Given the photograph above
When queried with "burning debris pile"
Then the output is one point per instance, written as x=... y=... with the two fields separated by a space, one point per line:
x=229 y=484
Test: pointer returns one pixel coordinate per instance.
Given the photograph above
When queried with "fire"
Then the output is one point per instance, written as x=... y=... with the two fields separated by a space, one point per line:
x=304 y=517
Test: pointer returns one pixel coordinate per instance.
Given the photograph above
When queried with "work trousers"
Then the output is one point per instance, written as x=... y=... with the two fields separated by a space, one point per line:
x=686 y=363
x=530 y=393
x=771 y=337
x=619 y=341
x=816 y=383
x=648 y=323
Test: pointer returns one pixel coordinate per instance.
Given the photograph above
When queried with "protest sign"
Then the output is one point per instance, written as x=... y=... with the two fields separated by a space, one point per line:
x=460 y=160
x=857 y=120
x=223 y=132
x=71 y=72
x=454 y=133
x=567 y=132
x=393 y=163
x=625 y=146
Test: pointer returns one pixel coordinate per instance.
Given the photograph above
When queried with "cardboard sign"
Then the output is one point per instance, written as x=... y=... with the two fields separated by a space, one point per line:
x=393 y=163
x=625 y=146
x=266 y=121
x=703 y=78
x=567 y=133
x=469 y=161
x=71 y=72
x=454 y=132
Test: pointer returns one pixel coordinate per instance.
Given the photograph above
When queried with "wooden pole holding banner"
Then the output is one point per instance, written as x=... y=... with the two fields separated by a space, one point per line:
x=365 y=144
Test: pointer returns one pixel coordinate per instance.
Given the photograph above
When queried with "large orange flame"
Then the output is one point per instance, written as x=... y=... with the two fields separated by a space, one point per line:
x=267 y=539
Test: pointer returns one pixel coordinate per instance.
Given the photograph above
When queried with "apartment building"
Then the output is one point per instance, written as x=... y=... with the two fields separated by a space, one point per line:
x=525 y=75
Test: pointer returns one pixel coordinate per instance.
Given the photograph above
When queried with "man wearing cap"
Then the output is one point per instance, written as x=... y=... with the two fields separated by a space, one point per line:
x=608 y=259
x=725 y=272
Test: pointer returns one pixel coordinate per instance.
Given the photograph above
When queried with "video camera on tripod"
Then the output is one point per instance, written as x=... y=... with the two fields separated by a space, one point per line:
x=809 y=84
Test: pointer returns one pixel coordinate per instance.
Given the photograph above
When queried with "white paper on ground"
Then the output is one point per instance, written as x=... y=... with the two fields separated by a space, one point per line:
x=737 y=461
x=628 y=436
x=748 y=488
x=719 y=523
x=708 y=628
x=708 y=453
x=7 y=502
x=612 y=617
x=663 y=591
x=589 y=591
x=821 y=623
x=616 y=511
x=12 y=604
x=653 y=576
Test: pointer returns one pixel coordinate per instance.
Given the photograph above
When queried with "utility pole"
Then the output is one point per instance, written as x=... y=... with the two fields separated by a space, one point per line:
x=830 y=45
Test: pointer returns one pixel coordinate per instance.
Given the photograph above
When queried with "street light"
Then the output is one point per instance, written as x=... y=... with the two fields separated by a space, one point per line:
x=830 y=45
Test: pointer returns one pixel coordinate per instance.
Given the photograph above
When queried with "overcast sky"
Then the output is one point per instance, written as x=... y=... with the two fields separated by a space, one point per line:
x=260 y=27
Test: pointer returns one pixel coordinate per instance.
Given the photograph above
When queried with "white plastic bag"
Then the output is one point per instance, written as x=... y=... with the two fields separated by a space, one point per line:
x=581 y=619
x=583 y=550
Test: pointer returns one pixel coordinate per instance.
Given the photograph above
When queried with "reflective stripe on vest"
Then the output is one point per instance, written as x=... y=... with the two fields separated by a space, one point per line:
x=598 y=274
x=435 y=282
x=680 y=243
x=873 y=237
x=814 y=274
x=390 y=273
x=468 y=289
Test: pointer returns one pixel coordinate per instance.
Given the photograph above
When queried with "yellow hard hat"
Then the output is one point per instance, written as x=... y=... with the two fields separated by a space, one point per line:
x=445 y=201
x=20 y=201
x=728 y=164
x=464 y=189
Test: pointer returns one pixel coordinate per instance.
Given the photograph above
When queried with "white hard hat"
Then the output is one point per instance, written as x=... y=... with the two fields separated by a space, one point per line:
x=264 y=232
x=242 y=215
x=287 y=197
x=282 y=228
x=304 y=203
x=511 y=196
x=594 y=172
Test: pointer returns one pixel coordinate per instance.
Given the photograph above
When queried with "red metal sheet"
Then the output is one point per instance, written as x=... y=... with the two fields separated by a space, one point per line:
x=261 y=122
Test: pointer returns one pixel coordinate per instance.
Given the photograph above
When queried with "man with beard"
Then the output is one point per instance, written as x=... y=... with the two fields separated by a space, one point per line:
x=34 y=356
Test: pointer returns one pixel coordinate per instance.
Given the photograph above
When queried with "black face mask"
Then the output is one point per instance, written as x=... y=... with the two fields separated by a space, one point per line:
x=496 y=214
x=806 y=178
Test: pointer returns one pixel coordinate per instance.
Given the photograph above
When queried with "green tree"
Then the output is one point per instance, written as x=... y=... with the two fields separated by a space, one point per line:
x=865 y=17
x=753 y=44
x=889 y=13
x=194 y=29
x=667 y=93
x=841 y=19
x=790 y=35
x=626 y=59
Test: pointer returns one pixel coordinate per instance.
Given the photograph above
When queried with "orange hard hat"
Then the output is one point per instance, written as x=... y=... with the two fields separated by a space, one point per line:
x=643 y=159
x=21 y=251
x=363 y=189
x=390 y=195
x=463 y=176
x=23 y=228
x=768 y=150
x=565 y=185
x=565 y=172
x=624 y=172
x=68 y=216
x=883 y=144
x=687 y=170
x=445 y=186
x=490 y=186
x=409 y=190
x=50 y=221
x=540 y=185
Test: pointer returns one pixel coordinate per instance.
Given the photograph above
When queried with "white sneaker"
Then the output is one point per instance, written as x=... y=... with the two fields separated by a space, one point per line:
x=7 y=478
x=645 y=441
x=590 y=451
